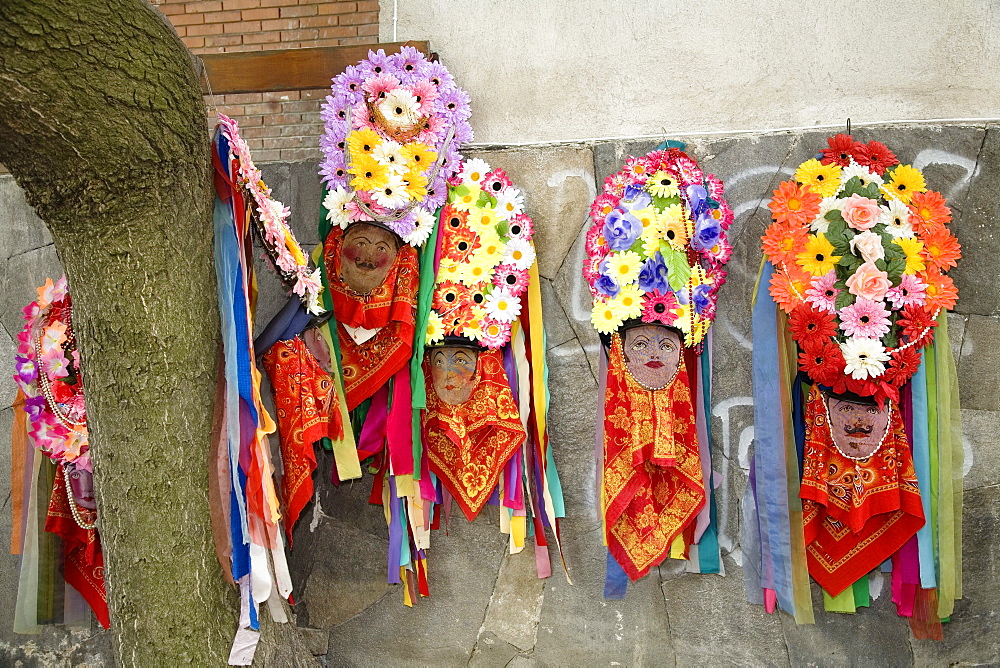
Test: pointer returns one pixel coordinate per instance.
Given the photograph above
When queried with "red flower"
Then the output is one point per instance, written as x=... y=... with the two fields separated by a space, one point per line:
x=842 y=149
x=876 y=156
x=449 y=295
x=916 y=324
x=822 y=360
x=808 y=323
x=902 y=365
x=659 y=308
x=458 y=243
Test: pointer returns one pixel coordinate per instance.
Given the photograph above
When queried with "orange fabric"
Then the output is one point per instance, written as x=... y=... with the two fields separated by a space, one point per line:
x=391 y=307
x=469 y=444
x=83 y=559
x=18 y=456
x=303 y=393
x=856 y=513
x=653 y=484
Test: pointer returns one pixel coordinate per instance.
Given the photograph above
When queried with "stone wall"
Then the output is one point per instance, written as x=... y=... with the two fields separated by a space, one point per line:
x=487 y=608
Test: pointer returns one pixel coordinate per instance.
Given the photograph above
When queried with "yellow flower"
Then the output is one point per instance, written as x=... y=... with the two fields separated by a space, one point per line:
x=465 y=196
x=624 y=267
x=628 y=301
x=368 y=174
x=474 y=330
x=293 y=247
x=419 y=156
x=491 y=248
x=823 y=180
x=675 y=227
x=362 y=143
x=912 y=247
x=448 y=271
x=817 y=258
x=416 y=185
x=662 y=184
x=474 y=270
x=905 y=181
x=605 y=318
x=483 y=220
x=435 y=329
x=651 y=237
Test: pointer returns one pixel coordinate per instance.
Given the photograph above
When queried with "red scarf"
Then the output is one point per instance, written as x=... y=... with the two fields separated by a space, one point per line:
x=653 y=484
x=856 y=513
x=391 y=306
x=469 y=444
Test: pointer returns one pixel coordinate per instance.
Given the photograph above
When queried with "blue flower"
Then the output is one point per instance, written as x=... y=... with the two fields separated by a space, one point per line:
x=653 y=275
x=636 y=197
x=707 y=231
x=621 y=229
x=701 y=300
x=607 y=286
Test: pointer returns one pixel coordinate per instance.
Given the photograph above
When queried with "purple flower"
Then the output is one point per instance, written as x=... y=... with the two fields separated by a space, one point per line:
x=635 y=198
x=621 y=229
x=411 y=64
x=653 y=275
x=701 y=298
x=439 y=75
x=607 y=286
x=453 y=104
x=350 y=80
x=26 y=371
x=707 y=231
x=33 y=406
x=695 y=196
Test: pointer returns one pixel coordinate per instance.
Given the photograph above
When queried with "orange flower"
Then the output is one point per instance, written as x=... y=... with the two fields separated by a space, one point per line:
x=930 y=212
x=941 y=290
x=941 y=249
x=788 y=287
x=782 y=242
x=794 y=204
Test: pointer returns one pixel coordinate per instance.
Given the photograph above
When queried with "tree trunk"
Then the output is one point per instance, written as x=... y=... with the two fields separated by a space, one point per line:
x=102 y=124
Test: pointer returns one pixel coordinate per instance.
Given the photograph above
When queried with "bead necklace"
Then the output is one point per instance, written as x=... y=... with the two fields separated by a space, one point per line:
x=46 y=388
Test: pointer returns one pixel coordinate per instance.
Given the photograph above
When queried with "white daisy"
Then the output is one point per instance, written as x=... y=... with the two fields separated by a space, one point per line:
x=863 y=173
x=864 y=357
x=435 y=329
x=519 y=254
x=502 y=306
x=400 y=108
x=388 y=153
x=336 y=202
x=896 y=217
x=826 y=205
x=393 y=194
x=425 y=223
x=510 y=202
x=474 y=170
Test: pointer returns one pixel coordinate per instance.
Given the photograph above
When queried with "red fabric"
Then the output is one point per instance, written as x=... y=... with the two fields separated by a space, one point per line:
x=83 y=560
x=652 y=483
x=391 y=307
x=856 y=514
x=469 y=444
x=307 y=411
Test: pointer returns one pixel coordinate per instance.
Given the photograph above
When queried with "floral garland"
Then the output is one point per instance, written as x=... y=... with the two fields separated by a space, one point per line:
x=486 y=252
x=283 y=249
x=657 y=245
x=47 y=369
x=860 y=248
x=392 y=129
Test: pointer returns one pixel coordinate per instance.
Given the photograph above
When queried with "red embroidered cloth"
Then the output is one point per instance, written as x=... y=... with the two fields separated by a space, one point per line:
x=468 y=444
x=391 y=307
x=83 y=560
x=653 y=485
x=856 y=513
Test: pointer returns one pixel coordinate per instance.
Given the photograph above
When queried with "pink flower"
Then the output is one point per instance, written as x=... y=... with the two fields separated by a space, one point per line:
x=822 y=294
x=911 y=290
x=869 y=282
x=380 y=86
x=426 y=93
x=868 y=245
x=860 y=212
x=865 y=319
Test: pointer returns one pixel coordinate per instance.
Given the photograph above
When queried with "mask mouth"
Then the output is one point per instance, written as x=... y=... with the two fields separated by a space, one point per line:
x=858 y=430
x=365 y=265
x=655 y=364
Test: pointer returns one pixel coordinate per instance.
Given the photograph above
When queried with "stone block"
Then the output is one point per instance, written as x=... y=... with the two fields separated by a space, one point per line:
x=981 y=433
x=977 y=365
x=19 y=282
x=8 y=347
x=573 y=294
x=514 y=608
x=558 y=187
x=558 y=330
x=21 y=230
x=297 y=185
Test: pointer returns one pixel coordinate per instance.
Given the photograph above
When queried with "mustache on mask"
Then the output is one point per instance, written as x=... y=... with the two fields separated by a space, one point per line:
x=858 y=430
x=360 y=264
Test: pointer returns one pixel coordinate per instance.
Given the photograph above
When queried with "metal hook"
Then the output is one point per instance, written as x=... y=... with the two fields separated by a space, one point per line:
x=848 y=126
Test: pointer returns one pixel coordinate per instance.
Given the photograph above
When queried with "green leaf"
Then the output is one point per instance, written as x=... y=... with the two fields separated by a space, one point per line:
x=835 y=215
x=880 y=264
x=844 y=299
x=850 y=262
x=484 y=200
x=678 y=271
x=662 y=203
x=890 y=340
x=896 y=267
x=637 y=247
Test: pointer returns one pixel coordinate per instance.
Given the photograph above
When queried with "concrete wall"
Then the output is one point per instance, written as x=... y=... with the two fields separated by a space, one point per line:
x=656 y=67
x=487 y=608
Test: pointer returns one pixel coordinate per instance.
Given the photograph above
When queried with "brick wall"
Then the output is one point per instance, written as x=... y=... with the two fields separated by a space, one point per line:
x=281 y=125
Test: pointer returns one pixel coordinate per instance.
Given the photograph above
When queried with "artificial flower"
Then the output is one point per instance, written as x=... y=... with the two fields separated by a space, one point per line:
x=913 y=248
x=868 y=246
x=865 y=318
x=941 y=291
x=624 y=267
x=416 y=185
x=424 y=225
x=418 y=155
x=495 y=334
x=400 y=109
x=782 y=242
x=449 y=270
x=459 y=244
x=393 y=194
x=875 y=156
x=916 y=325
x=904 y=182
x=794 y=204
x=483 y=219
x=473 y=171
x=903 y=363
x=929 y=211
x=368 y=173
x=896 y=217
x=864 y=358
x=653 y=275
x=495 y=182
x=519 y=253
x=662 y=184
x=860 y=213
x=864 y=175
x=448 y=295
x=510 y=203
x=510 y=277
x=492 y=251
x=807 y=322
x=822 y=294
x=675 y=227
x=457 y=319
x=605 y=317
x=621 y=229
x=785 y=290
x=648 y=218
x=520 y=227
x=362 y=143
x=941 y=249
x=389 y=153
x=501 y=305
x=911 y=290
x=868 y=282
x=606 y=286
x=435 y=329
x=817 y=257
x=603 y=205
x=475 y=270
x=628 y=302
x=824 y=180
x=659 y=307
x=840 y=151
x=465 y=196
x=821 y=359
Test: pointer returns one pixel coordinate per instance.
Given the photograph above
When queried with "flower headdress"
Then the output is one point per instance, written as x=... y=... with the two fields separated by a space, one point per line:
x=47 y=369
x=392 y=129
x=657 y=245
x=286 y=256
x=860 y=249
x=486 y=252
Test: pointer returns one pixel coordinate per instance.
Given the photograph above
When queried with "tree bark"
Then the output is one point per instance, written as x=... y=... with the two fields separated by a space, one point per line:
x=102 y=123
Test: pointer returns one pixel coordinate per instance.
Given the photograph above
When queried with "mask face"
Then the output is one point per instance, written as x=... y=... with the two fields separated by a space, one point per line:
x=81 y=486
x=857 y=429
x=652 y=354
x=453 y=373
x=366 y=256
